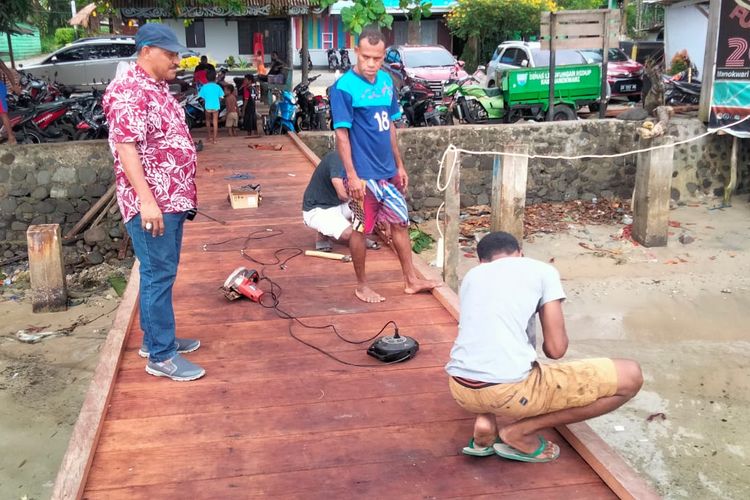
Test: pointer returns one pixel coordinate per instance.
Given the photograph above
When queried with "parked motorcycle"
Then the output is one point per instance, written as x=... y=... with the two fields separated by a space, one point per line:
x=87 y=115
x=345 y=62
x=333 y=59
x=281 y=114
x=312 y=109
x=309 y=60
x=419 y=107
x=42 y=123
x=471 y=103
x=682 y=88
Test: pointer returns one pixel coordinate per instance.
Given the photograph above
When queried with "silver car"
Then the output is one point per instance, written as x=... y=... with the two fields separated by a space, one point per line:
x=85 y=63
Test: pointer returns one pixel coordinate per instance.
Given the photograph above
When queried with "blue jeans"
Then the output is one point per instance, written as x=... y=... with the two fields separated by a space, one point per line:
x=159 y=257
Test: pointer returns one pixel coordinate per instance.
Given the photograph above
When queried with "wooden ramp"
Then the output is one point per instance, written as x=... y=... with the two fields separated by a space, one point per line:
x=274 y=418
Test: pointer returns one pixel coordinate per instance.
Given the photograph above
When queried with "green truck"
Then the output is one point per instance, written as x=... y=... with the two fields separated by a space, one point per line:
x=524 y=94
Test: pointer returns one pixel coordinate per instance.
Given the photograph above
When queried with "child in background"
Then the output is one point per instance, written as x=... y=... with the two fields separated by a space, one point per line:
x=211 y=93
x=233 y=116
x=249 y=117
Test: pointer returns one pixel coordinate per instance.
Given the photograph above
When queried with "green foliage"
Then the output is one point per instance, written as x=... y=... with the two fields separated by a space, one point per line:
x=48 y=44
x=242 y=63
x=64 y=35
x=118 y=283
x=581 y=4
x=12 y=12
x=372 y=12
x=680 y=62
x=229 y=61
x=420 y=240
x=494 y=21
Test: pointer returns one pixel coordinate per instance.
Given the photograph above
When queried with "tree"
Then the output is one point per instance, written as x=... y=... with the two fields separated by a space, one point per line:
x=372 y=12
x=12 y=13
x=486 y=23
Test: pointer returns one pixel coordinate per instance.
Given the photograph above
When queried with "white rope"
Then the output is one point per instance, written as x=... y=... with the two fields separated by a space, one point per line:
x=455 y=150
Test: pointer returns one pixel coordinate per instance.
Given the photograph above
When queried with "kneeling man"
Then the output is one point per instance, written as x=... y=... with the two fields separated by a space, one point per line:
x=325 y=206
x=494 y=369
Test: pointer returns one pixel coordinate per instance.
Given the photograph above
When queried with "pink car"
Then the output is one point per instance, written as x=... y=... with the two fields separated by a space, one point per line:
x=625 y=76
x=432 y=64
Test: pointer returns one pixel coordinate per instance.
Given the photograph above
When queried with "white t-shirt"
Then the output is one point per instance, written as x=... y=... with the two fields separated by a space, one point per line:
x=499 y=301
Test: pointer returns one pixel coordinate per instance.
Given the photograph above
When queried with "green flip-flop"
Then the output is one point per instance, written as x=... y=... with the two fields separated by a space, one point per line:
x=511 y=453
x=487 y=451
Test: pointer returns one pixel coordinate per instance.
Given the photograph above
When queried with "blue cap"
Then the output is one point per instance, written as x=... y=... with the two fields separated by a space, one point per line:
x=158 y=35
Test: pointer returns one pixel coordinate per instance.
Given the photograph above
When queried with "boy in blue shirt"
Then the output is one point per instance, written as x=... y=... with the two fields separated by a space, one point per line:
x=211 y=93
x=364 y=104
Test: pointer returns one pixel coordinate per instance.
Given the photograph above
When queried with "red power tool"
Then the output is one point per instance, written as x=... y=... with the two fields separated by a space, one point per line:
x=243 y=283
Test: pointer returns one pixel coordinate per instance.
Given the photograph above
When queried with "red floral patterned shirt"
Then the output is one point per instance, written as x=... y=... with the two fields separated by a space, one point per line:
x=141 y=110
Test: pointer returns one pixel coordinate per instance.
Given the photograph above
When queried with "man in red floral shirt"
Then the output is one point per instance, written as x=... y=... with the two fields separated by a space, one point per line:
x=155 y=164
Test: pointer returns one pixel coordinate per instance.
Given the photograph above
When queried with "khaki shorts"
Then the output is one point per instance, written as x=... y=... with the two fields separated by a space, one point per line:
x=548 y=388
x=232 y=120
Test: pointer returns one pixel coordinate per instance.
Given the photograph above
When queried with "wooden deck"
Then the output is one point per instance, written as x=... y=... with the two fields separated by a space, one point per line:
x=272 y=417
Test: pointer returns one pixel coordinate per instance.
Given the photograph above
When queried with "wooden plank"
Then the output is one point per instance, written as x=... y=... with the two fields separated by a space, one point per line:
x=574 y=16
x=71 y=476
x=309 y=153
x=452 y=220
x=242 y=457
x=613 y=470
x=579 y=43
x=574 y=30
x=142 y=399
x=653 y=181
x=419 y=476
x=49 y=292
x=509 y=190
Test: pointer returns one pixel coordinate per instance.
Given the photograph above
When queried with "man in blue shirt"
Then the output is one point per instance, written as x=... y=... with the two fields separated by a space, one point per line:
x=364 y=105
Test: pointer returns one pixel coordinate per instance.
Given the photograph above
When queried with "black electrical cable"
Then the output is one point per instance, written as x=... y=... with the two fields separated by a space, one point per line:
x=259 y=234
x=285 y=315
x=275 y=293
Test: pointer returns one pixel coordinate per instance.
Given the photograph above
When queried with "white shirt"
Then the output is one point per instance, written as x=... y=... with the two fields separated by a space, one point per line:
x=499 y=301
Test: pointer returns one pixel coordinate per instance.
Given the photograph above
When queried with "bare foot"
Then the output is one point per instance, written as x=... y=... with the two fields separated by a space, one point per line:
x=485 y=430
x=367 y=294
x=418 y=286
x=527 y=443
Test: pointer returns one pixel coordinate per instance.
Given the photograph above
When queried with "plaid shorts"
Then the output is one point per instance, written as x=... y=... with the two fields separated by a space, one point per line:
x=383 y=203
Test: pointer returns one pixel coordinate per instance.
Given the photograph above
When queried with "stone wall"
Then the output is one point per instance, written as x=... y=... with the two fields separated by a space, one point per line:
x=700 y=168
x=56 y=184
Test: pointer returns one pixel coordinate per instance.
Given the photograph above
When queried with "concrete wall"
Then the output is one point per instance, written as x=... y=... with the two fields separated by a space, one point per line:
x=221 y=37
x=685 y=27
x=700 y=167
x=56 y=183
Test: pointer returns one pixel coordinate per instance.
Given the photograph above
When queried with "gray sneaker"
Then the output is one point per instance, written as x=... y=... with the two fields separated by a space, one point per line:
x=182 y=346
x=177 y=368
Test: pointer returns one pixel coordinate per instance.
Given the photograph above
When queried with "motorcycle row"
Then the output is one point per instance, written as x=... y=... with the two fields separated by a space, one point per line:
x=300 y=110
x=50 y=112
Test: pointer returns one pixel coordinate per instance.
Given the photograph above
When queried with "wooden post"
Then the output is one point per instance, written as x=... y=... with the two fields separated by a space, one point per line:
x=710 y=60
x=605 y=61
x=733 y=160
x=551 y=107
x=305 y=48
x=509 y=174
x=10 y=51
x=46 y=268
x=452 y=220
x=653 y=183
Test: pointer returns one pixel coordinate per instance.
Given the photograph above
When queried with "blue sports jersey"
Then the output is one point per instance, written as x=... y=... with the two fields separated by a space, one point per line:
x=367 y=110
